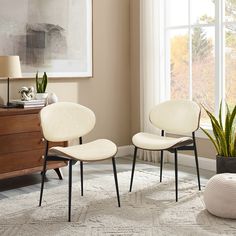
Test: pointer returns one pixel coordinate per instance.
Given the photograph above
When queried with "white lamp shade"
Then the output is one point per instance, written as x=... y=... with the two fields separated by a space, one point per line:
x=10 y=67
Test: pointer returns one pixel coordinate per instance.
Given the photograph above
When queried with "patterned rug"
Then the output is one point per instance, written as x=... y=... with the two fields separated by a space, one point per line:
x=149 y=210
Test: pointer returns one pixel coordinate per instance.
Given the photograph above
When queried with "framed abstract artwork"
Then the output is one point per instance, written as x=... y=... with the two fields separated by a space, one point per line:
x=49 y=35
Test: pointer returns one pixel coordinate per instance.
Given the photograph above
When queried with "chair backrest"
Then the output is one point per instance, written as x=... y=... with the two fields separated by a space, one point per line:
x=64 y=121
x=176 y=116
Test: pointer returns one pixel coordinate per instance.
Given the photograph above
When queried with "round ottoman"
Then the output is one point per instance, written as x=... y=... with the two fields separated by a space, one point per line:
x=220 y=195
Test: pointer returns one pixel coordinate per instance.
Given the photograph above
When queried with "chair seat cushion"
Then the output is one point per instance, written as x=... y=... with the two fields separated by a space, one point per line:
x=94 y=151
x=156 y=142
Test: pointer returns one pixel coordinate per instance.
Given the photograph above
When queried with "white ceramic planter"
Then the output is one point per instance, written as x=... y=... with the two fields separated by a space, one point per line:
x=41 y=96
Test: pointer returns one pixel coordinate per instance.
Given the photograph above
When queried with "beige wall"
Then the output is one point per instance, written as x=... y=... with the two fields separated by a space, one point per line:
x=108 y=92
x=205 y=148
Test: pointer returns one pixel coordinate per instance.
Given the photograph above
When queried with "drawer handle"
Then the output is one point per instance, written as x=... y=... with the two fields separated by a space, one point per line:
x=43 y=140
x=42 y=156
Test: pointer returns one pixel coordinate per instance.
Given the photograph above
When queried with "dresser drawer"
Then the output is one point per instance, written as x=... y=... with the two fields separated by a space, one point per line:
x=21 y=160
x=21 y=142
x=19 y=124
x=24 y=160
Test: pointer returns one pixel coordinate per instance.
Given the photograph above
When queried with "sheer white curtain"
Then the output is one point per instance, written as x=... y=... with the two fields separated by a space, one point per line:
x=152 y=84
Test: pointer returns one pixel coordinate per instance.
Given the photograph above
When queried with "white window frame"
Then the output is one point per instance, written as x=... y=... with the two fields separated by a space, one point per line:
x=219 y=26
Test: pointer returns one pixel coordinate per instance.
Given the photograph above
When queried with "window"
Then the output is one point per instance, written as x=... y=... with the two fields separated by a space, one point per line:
x=200 y=51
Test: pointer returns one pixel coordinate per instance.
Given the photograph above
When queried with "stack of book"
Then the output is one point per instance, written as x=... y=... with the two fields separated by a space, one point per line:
x=29 y=104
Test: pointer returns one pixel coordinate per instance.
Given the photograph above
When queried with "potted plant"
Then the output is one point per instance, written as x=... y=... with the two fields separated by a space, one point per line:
x=41 y=85
x=224 y=139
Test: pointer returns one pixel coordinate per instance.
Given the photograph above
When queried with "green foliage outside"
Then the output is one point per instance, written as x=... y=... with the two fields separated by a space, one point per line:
x=201 y=45
x=203 y=61
x=230 y=8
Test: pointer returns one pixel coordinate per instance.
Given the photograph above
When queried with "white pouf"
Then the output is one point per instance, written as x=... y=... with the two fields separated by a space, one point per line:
x=220 y=195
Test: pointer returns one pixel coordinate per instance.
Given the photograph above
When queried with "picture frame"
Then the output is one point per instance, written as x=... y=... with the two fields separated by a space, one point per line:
x=53 y=36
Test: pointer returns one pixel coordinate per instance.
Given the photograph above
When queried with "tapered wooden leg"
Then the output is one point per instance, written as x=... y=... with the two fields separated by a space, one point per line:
x=161 y=165
x=116 y=180
x=59 y=173
x=81 y=178
x=43 y=179
x=176 y=176
x=133 y=168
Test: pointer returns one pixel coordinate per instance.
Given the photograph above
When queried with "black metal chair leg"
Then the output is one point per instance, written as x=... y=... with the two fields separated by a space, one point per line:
x=161 y=165
x=196 y=160
x=133 y=168
x=176 y=176
x=198 y=174
x=81 y=178
x=43 y=179
x=116 y=180
x=70 y=185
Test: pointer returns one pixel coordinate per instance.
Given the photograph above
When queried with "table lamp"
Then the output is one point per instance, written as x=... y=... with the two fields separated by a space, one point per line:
x=10 y=68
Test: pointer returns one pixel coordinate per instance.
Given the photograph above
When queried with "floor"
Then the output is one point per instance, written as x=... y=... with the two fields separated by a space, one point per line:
x=31 y=183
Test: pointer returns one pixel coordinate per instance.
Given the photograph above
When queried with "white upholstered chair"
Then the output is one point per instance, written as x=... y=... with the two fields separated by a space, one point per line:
x=64 y=121
x=175 y=116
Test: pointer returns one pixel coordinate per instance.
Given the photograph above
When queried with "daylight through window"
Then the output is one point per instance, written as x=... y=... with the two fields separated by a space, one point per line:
x=200 y=51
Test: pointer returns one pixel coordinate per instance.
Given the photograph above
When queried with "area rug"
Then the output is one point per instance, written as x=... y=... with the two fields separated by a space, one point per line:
x=149 y=210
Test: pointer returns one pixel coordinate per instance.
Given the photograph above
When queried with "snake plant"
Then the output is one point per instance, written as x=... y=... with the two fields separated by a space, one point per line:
x=41 y=83
x=224 y=133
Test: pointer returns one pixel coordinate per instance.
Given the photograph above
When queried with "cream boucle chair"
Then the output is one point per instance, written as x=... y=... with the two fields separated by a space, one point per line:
x=64 y=121
x=175 y=116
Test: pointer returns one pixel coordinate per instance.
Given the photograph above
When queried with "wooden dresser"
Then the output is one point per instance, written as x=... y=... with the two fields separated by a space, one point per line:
x=21 y=143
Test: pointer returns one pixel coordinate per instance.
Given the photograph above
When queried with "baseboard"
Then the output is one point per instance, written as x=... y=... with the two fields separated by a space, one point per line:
x=125 y=151
x=188 y=160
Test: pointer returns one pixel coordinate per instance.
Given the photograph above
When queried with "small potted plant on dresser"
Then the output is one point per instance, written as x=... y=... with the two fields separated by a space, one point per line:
x=41 y=85
x=224 y=139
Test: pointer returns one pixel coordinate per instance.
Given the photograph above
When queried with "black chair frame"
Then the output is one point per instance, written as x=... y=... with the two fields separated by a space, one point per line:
x=174 y=149
x=72 y=162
